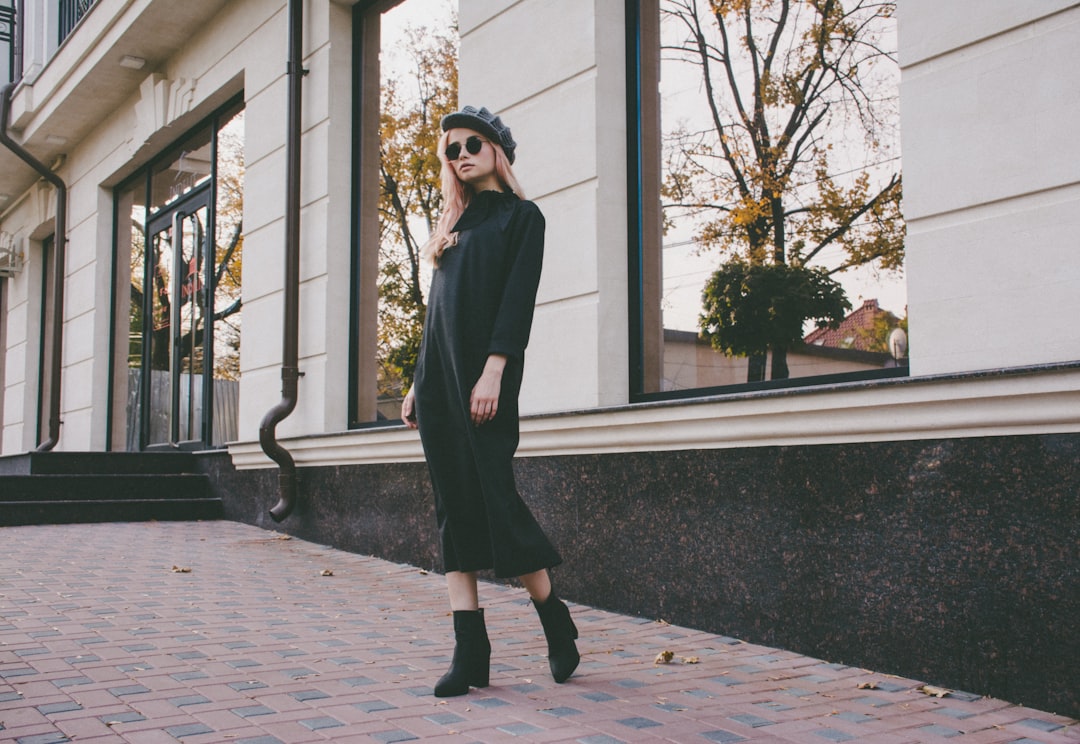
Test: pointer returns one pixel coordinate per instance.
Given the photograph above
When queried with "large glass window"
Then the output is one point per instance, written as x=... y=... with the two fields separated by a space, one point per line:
x=406 y=81
x=179 y=249
x=3 y=353
x=768 y=242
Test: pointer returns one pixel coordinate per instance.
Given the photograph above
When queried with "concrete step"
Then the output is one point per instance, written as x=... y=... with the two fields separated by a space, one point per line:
x=106 y=463
x=60 y=499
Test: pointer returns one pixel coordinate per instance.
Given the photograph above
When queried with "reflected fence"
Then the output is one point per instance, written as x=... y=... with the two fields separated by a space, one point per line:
x=226 y=407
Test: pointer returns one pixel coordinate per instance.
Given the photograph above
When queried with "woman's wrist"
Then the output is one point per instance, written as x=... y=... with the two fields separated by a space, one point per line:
x=495 y=365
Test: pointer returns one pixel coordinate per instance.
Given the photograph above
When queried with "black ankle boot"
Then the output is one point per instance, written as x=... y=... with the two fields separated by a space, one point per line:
x=560 y=631
x=472 y=655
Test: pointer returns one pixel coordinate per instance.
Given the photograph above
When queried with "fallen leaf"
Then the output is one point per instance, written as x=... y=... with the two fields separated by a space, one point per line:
x=326 y=572
x=867 y=686
x=935 y=691
x=177 y=569
x=691 y=660
x=664 y=657
x=423 y=571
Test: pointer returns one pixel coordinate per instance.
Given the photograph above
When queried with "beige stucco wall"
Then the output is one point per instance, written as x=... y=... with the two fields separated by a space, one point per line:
x=991 y=183
x=564 y=98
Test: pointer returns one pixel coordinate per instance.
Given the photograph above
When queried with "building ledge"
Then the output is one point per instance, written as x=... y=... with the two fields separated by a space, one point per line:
x=1037 y=400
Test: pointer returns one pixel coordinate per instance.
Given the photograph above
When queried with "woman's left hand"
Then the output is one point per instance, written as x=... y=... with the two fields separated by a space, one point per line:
x=484 y=401
x=408 y=410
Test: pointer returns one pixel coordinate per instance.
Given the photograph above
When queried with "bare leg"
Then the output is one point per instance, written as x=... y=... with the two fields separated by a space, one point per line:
x=538 y=584
x=461 y=587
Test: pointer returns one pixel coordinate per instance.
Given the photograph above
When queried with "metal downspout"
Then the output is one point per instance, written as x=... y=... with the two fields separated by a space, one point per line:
x=59 y=261
x=290 y=371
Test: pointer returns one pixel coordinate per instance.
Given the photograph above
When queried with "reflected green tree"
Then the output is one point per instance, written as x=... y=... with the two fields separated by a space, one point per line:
x=795 y=168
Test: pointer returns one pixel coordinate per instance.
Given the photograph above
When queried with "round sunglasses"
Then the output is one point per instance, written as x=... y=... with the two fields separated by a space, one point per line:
x=473 y=145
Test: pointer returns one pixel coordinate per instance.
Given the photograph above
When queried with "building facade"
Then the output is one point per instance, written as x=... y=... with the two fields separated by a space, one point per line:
x=922 y=519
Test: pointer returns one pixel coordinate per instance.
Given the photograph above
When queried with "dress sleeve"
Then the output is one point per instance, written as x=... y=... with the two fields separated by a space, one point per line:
x=513 y=322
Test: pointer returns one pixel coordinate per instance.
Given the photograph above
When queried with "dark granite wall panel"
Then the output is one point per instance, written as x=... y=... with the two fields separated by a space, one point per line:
x=380 y=510
x=953 y=561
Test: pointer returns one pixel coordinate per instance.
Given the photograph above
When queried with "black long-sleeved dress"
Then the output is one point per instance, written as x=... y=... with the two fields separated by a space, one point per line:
x=481 y=302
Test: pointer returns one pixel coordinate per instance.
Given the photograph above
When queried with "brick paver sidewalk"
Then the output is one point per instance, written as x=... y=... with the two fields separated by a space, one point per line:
x=221 y=632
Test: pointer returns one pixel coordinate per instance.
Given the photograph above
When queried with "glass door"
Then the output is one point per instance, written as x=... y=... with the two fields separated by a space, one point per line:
x=177 y=360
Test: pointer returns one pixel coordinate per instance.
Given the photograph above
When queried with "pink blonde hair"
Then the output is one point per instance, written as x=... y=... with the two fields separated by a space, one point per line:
x=456 y=197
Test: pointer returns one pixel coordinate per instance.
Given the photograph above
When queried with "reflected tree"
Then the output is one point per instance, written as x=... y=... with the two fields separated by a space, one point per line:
x=796 y=158
x=411 y=197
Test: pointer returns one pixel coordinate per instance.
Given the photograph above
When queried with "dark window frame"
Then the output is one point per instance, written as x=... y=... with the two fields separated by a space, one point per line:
x=362 y=262
x=144 y=174
x=45 y=360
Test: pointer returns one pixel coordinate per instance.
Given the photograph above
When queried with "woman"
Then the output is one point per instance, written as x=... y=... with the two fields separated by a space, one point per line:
x=487 y=250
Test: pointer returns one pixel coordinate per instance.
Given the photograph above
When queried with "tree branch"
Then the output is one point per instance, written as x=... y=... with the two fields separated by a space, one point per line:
x=841 y=229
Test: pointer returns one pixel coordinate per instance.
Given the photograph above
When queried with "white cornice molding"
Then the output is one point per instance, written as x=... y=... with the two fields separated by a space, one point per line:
x=1044 y=401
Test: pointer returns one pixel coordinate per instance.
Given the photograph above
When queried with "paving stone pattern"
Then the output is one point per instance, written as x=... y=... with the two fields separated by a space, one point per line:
x=217 y=632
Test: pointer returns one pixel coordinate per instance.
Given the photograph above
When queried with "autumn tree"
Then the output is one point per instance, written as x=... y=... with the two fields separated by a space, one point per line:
x=876 y=338
x=795 y=156
x=224 y=276
x=229 y=223
x=410 y=197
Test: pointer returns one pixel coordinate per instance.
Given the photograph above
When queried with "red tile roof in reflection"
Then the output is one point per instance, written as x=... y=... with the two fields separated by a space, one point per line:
x=854 y=332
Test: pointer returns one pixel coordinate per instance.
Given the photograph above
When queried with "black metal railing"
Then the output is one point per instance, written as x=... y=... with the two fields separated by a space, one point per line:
x=7 y=44
x=71 y=12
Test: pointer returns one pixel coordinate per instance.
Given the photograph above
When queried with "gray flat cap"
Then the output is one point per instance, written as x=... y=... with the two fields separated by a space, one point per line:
x=483 y=121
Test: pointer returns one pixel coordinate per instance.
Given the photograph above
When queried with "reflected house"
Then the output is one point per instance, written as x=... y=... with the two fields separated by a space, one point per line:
x=857 y=331
x=849 y=511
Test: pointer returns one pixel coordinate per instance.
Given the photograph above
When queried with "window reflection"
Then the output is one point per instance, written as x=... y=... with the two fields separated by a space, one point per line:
x=770 y=194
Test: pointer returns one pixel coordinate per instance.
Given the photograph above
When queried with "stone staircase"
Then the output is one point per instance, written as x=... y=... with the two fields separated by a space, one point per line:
x=62 y=487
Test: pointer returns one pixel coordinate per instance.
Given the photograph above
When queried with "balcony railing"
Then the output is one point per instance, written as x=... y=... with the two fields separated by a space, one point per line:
x=7 y=44
x=71 y=12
